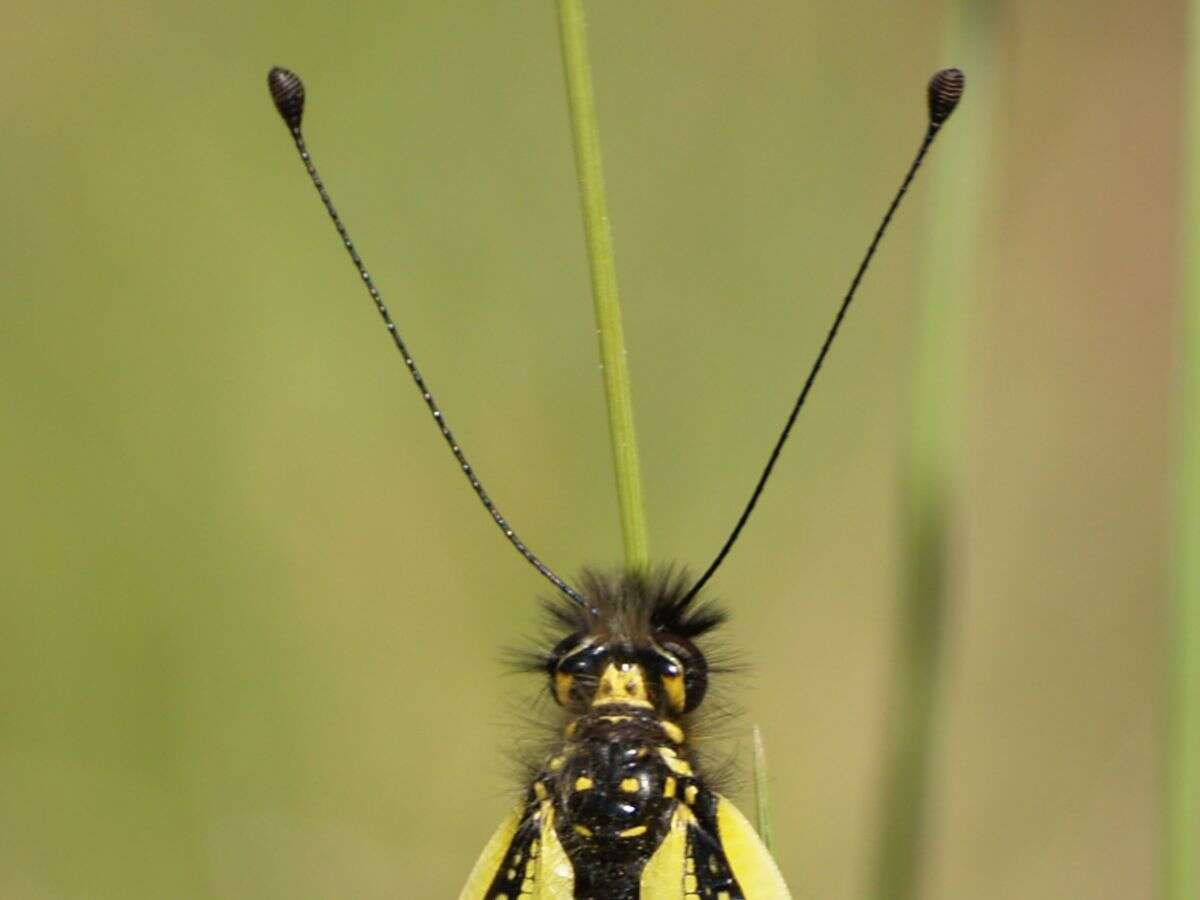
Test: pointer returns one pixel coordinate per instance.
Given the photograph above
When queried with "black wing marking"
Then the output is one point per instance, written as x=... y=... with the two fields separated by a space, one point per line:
x=516 y=873
x=706 y=858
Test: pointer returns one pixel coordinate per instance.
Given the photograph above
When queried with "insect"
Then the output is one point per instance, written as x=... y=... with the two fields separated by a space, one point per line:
x=618 y=808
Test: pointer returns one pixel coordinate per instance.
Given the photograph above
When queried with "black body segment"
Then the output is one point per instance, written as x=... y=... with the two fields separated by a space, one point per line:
x=614 y=795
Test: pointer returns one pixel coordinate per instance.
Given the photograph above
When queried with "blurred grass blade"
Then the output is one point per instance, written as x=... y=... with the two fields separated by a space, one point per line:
x=1182 y=782
x=584 y=129
x=950 y=281
x=762 y=792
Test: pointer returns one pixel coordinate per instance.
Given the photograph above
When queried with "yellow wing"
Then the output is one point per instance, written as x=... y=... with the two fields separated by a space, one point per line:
x=692 y=861
x=752 y=864
x=523 y=861
x=489 y=860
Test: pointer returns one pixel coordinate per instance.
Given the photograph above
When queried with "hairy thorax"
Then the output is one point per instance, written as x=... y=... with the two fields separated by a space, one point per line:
x=615 y=786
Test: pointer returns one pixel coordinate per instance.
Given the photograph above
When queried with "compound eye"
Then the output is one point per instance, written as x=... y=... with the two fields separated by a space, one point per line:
x=561 y=649
x=684 y=673
x=583 y=661
x=574 y=659
x=554 y=660
x=670 y=671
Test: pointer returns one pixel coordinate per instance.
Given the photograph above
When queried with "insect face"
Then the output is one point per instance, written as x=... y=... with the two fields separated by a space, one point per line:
x=666 y=674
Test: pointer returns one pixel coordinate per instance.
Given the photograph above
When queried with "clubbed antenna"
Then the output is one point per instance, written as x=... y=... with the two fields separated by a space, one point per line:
x=287 y=91
x=945 y=90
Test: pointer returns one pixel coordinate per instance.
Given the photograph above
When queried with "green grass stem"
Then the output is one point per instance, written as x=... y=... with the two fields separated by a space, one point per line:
x=950 y=280
x=1181 y=801
x=762 y=792
x=613 y=362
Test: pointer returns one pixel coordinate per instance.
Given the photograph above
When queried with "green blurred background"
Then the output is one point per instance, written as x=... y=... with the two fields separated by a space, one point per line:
x=251 y=619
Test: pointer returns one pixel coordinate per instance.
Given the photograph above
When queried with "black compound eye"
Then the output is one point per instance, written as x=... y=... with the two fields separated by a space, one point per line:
x=561 y=649
x=576 y=658
x=662 y=662
x=585 y=660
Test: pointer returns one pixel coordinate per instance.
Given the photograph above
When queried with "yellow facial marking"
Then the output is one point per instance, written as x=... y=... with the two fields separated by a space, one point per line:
x=669 y=787
x=631 y=785
x=635 y=831
x=583 y=831
x=583 y=783
x=562 y=688
x=623 y=684
x=672 y=731
x=689 y=794
x=675 y=691
x=615 y=718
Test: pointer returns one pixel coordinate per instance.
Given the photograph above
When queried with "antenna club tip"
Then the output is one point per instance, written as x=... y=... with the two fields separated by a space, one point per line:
x=945 y=90
x=287 y=91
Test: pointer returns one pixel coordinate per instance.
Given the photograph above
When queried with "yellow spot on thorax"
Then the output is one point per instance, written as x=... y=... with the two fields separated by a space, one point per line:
x=674 y=763
x=672 y=731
